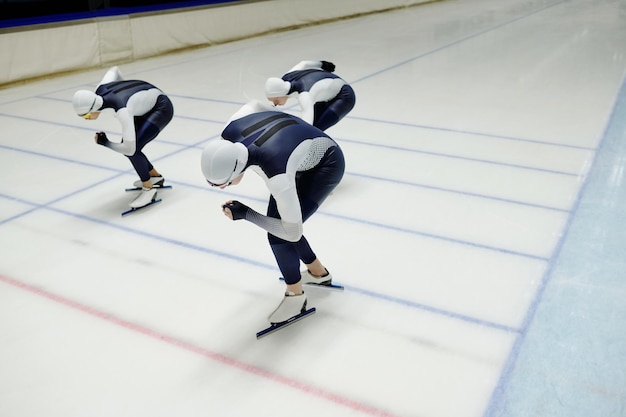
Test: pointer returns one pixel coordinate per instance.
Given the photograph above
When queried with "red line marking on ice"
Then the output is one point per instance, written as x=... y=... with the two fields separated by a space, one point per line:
x=218 y=357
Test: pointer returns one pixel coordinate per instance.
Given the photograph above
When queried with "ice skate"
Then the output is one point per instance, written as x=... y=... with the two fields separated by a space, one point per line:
x=308 y=278
x=156 y=182
x=291 y=306
x=146 y=196
x=291 y=309
x=326 y=281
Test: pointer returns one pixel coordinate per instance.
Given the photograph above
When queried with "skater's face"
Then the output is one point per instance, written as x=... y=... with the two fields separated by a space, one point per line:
x=234 y=181
x=278 y=101
x=91 y=116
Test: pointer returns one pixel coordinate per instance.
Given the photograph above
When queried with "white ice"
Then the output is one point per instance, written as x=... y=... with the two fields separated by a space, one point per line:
x=476 y=126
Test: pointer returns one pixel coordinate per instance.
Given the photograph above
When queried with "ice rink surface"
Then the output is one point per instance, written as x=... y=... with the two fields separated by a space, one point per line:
x=479 y=231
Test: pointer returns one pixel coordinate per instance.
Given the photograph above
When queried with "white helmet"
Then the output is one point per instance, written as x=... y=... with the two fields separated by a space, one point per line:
x=85 y=101
x=222 y=161
x=276 y=87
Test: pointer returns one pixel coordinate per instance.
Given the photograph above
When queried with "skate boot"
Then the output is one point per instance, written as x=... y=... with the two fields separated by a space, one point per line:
x=146 y=196
x=156 y=182
x=289 y=307
x=306 y=277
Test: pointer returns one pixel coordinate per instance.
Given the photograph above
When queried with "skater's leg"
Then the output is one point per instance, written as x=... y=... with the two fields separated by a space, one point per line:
x=143 y=167
x=147 y=128
x=140 y=163
x=317 y=269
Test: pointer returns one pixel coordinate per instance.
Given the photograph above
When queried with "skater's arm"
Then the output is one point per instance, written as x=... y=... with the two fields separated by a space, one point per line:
x=288 y=227
x=236 y=210
x=307 y=105
x=304 y=65
x=113 y=74
x=127 y=145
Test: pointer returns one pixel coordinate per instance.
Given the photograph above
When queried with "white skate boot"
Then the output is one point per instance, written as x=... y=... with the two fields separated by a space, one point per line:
x=156 y=182
x=308 y=278
x=146 y=196
x=289 y=307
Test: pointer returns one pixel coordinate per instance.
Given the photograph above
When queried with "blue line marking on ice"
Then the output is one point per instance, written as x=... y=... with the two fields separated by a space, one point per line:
x=470 y=132
x=187 y=245
x=464 y=193
x=465 y=158
x=185 y=147
x=456 y=42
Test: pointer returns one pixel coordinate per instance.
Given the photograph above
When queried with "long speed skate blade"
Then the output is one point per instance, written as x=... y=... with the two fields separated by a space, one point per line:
x=275 y=327
x=132 y=210
x=330 y=286
x=154 y=186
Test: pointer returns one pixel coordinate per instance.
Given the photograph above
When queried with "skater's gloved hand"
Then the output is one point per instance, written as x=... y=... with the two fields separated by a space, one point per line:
x=235 y=210
x=101 y=138
x=328 y=66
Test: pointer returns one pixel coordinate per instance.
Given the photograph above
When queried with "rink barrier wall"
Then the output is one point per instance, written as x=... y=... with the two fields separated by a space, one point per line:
x=30 y=52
